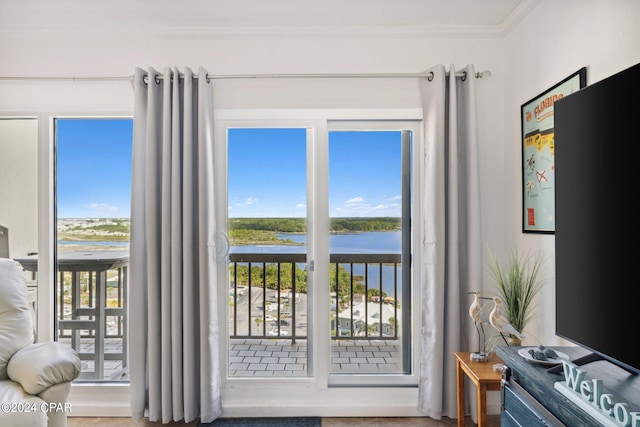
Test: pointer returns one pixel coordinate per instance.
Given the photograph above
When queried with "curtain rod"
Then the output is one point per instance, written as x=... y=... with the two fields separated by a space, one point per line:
x=478 y=75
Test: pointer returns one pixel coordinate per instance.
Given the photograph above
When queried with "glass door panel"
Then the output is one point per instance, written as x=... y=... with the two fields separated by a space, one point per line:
x=368 y=226
x=267 y=223
x=93 y=194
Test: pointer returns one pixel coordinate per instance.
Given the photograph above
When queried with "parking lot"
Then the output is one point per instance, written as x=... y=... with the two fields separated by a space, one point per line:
x=263 y=314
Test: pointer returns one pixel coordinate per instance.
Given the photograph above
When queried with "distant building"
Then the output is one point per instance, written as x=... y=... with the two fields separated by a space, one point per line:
x=368 y=316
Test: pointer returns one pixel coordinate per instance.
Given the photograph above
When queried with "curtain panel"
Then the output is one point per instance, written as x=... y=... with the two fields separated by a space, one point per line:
x=173 y=330
x=451 y=239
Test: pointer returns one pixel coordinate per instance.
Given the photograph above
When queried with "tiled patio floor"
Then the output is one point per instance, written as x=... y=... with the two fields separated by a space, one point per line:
x=260 y=357
x=276 y=357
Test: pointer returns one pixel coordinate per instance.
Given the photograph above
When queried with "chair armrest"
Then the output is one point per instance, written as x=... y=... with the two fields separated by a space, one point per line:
x=39 y=366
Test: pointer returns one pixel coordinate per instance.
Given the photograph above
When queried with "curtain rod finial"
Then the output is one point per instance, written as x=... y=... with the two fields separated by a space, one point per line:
x=484 y=75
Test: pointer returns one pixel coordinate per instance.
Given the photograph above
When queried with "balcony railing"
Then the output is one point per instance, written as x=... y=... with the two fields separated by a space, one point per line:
x=268 y=295
x=91 y=309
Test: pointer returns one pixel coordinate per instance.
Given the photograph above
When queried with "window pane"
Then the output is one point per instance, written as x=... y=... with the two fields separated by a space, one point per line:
x=93 y=193
x=267 y=212
x=365 y=207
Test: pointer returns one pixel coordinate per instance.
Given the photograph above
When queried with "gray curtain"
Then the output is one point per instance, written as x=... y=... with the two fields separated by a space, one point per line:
x=174 y=336
x=451 y=241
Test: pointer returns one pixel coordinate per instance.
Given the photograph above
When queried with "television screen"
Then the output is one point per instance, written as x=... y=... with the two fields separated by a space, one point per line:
x=596 y=139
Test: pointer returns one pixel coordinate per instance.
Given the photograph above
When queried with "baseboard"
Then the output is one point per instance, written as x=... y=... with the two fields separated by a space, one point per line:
x=99 y=400
x=112 y=400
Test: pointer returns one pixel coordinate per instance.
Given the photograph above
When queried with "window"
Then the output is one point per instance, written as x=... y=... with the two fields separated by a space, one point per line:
x=92 y=213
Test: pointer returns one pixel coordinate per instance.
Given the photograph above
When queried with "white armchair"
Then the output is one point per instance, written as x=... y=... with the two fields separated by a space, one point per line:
x=35 y=378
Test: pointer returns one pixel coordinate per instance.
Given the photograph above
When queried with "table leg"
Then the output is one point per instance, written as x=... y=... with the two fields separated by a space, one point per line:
x=482 y=405
x=460 y=395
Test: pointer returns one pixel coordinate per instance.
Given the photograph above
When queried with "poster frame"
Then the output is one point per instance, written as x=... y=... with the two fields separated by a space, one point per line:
x=538 y=183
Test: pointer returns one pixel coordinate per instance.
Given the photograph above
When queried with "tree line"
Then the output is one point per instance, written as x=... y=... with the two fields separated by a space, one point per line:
x=274 y=276
x=299 y=225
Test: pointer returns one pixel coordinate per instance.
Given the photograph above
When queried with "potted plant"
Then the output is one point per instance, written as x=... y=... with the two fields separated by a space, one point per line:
x=518 y=281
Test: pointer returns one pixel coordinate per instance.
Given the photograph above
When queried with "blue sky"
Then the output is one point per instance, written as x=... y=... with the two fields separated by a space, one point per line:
x=94 y=168
x=364 y=173
x=267 y=171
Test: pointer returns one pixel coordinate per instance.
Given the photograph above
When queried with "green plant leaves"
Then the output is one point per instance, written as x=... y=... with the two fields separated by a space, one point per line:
x=518 y=281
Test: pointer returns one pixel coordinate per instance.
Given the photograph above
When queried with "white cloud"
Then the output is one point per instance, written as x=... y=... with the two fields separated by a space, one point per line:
x=386 y=206
x=102 y=207
x=357 y=206
x=354 y=201
x=248 y=202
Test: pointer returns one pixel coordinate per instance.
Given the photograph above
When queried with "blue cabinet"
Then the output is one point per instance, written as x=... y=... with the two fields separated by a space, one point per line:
x=529 y=398
x=520 y=409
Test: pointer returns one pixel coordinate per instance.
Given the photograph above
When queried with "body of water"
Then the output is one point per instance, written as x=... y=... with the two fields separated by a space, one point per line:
x=370 y=242
x=90 y=243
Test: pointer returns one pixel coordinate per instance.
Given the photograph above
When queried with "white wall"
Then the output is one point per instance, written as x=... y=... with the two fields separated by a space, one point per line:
x=19 y=184
x=67 y=54
x=553 y=41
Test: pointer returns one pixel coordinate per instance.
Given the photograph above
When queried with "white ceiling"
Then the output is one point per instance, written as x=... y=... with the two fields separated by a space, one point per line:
x=261 y=15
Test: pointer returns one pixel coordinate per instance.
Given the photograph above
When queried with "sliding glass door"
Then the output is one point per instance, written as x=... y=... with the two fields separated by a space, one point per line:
x=268 y=302
x=298 y=195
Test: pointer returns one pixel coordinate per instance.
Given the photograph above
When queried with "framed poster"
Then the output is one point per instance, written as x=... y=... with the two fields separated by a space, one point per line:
x=538 y=177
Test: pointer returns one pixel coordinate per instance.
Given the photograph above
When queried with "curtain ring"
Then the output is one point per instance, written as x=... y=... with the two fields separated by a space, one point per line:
x=157 y=79
x=431 y=76
x=464 y=76
x=208 y=78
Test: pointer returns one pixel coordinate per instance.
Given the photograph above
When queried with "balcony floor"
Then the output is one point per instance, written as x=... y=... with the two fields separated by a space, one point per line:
x=266 y=357
x=276 y=358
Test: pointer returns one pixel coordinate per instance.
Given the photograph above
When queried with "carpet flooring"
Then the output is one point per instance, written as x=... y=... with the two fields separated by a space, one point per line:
x=266 y=422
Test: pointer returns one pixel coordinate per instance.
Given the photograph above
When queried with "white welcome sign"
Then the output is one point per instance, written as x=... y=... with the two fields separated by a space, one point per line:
x=589 y=396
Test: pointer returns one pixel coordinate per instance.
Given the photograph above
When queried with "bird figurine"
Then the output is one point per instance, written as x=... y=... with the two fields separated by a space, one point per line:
x=474 y=308
x=501 y=323
x=478 y=312
x=480 y=315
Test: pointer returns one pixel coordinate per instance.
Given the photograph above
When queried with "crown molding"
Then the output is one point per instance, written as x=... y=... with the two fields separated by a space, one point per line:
x=517 y=15
x=109 y=29
x=242 y=32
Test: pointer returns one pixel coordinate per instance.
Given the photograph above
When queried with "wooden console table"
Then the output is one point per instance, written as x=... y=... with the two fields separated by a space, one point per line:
x=482 y=375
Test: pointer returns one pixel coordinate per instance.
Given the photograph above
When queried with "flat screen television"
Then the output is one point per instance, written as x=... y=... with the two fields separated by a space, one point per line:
x=597 y=266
